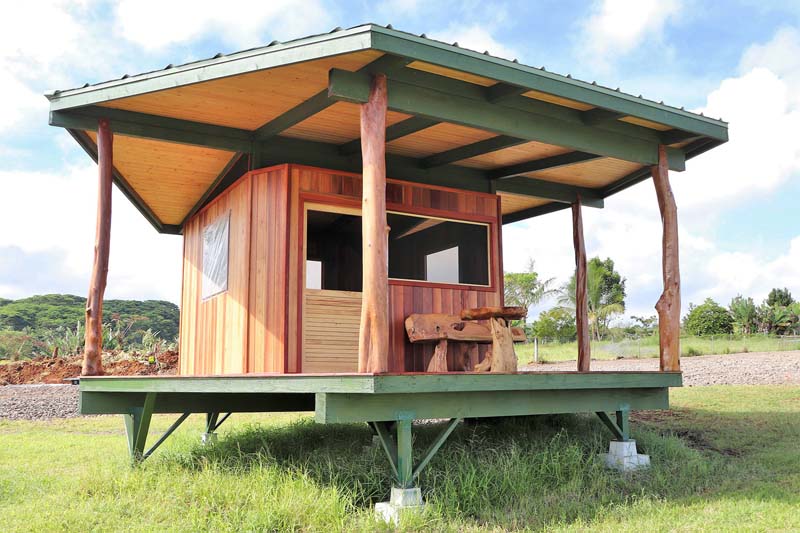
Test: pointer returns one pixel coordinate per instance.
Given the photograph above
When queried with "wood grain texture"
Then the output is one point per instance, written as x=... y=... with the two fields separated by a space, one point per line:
x=373 y=344
x=93 y=346
x=581 y=302
x=593 y=174
x=669 y=304
x=330 y=331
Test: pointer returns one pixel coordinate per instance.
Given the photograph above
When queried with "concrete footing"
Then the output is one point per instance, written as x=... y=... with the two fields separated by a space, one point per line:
x=622 y=456
x=400 y=501
x=208 y=439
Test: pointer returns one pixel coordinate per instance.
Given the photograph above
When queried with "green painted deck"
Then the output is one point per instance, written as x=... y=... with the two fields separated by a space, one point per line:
x=338 y=398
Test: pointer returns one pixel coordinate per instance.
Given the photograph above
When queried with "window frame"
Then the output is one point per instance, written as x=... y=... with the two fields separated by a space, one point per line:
x=350 y=207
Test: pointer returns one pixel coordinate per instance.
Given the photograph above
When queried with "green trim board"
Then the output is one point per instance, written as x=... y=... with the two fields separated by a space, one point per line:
x=380 y=383
x=479 y=113
x=569 y=194
x=402 y=44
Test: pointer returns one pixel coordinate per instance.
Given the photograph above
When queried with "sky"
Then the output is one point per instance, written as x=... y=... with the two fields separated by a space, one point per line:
x=735 y=60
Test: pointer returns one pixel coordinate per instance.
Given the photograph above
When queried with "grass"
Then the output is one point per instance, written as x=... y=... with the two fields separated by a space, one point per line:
x=726 y=458
x=646 y=347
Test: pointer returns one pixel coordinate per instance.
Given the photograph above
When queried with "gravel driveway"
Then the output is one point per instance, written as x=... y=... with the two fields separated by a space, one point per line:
x=37 y=402
x=757 y=368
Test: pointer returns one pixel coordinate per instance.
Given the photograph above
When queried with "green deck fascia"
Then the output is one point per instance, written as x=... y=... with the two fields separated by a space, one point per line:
x=370 y=398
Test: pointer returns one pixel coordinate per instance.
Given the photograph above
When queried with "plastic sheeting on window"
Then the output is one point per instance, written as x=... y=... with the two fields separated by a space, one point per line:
x=215 y=256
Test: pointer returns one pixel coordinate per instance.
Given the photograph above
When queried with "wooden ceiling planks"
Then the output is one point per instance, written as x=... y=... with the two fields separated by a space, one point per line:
x=645 y=123
x=337 y=124
x=246 y=101
x=511 y=203
x=545 y=97
x=451 y=73
x=513 y=155
x=592 y=174
x=437 y=138
x=169 y=177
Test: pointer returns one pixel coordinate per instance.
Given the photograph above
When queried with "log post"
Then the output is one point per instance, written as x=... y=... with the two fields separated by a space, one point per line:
x=373 y=342
x=669 y=305
x=581 y=304
x=93 y=348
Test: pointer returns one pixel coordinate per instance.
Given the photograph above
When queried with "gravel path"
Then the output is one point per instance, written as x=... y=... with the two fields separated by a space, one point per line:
x=41 y=402
x=757 y=368
x=38 y=402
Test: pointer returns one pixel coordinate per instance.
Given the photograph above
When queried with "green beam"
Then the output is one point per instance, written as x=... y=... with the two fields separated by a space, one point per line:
x=512 y=73
x=560 y=160
x=90 y=148
x=593 y=117
x=475 y=149
x=147 y=126
x=376 y=384
x=532 y=212
x=427 y=102
x=345 y=408
x=676 y=136
x=211 y=188
x=405 y=455
x=549 y=190
x=393 y=132
x=502 y=91
x=97 y=403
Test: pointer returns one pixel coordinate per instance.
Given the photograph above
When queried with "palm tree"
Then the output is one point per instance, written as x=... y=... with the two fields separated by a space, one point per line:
x=599 y=310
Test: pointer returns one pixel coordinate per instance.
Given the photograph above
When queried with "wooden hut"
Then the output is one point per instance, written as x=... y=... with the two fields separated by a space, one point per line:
x=332 y=188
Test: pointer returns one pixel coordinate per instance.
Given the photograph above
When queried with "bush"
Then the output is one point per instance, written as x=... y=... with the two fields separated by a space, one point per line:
x=691 y=351
x=709 y=318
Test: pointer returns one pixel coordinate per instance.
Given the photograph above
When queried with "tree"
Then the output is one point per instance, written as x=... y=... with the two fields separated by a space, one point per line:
x=605 y=291
x=708 y=318
x=744 y=313
x=643 y=325
x=557 y=323
x=780 y=298
x=525 y=289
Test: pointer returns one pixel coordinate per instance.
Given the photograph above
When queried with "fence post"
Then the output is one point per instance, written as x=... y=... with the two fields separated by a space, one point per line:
x=536 y=349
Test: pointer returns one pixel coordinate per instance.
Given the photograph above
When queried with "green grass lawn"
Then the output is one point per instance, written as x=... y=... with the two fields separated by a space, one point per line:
x=551 y=352
x=725 y=458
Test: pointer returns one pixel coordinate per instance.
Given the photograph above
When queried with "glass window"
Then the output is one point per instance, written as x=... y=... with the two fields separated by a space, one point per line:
x=216 y=238
x=438 y=250
x=420 y=249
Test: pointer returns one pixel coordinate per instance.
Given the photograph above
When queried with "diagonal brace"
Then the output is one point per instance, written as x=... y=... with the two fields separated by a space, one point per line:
x=619 y=427
x=166 y=434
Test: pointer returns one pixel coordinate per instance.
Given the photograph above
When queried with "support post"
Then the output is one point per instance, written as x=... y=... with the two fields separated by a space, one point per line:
x=93 y=348
x=669 y=304
x=373 y=343
x=137 y=424
x=581 y=304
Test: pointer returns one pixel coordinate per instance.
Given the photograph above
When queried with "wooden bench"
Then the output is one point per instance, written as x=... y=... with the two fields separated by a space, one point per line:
x=443 y=329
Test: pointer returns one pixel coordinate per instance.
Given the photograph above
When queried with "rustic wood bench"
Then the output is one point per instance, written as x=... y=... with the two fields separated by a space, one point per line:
x=443 y=329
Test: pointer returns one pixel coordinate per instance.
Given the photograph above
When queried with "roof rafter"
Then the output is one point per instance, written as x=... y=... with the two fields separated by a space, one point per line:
x=558 y=192
x=560 y=160
x=475 y=149
x=393 y=132
x=531 y=212
x=320 y=101
x=481 y=114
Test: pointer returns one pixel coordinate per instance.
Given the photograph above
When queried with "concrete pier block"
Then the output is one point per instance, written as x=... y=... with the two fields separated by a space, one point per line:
x=623 y=456
x=400 y=501
x=208 y=439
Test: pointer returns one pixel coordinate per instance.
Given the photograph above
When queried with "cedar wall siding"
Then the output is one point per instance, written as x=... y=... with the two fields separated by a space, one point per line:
x=319 y=186
x=267 y=321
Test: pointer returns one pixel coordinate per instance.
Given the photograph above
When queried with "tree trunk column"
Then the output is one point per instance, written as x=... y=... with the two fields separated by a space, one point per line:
x=581 y=305
x=669 y=305
x=93 y=349
x=373 y=342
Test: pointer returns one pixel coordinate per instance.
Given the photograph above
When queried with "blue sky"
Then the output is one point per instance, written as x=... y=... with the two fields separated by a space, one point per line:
x=736 y=60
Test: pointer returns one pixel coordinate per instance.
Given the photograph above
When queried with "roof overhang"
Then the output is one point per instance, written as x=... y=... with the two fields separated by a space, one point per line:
x=458 y=118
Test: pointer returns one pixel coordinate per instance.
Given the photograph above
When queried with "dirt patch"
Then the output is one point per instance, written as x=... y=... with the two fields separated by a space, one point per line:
x=57 y=369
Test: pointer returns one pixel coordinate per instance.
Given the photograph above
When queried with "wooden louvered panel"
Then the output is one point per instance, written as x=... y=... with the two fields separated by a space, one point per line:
x=330 y=330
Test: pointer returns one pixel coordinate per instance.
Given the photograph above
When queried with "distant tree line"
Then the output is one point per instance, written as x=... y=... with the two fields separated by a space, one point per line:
x=778 y=314
x=53 y=323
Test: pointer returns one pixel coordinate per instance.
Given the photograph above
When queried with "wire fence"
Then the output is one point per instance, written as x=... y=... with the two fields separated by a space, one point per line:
x=562 y=349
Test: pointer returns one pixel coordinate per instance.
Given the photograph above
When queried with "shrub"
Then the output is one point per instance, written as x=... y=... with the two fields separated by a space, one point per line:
x=708 y=318
x=691 y=351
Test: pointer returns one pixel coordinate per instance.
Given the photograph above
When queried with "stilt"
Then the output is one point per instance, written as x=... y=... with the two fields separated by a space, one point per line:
x=622 y=454
x=581 y=304
x=93 y=347
x=373 y=343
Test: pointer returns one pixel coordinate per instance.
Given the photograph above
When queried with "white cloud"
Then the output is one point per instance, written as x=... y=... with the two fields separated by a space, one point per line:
x=617 y=27
x=52 y=217
x=475 y=37
x=154 y=24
